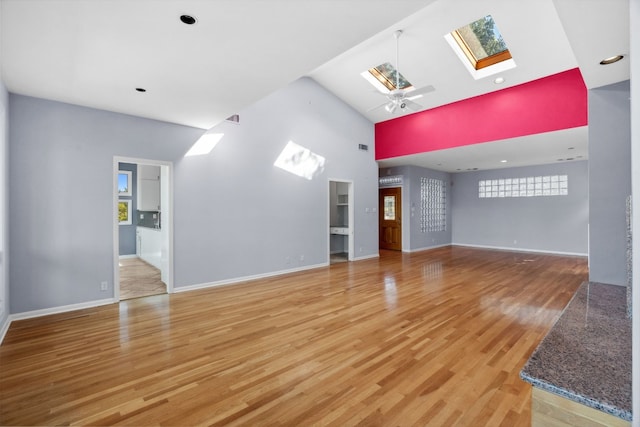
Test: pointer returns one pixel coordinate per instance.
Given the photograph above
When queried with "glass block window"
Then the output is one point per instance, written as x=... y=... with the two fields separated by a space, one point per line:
x=390 y=180
x=433 y=196
x=532 y=186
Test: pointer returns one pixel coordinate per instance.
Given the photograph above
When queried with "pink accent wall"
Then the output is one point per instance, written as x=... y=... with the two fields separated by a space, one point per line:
x=548 y=104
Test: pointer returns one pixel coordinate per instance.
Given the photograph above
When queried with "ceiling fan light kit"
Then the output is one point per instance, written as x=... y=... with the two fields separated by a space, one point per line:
x=398 y=99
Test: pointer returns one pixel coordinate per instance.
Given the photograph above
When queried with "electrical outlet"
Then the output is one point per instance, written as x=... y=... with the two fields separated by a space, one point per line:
x=104 y=286
x=301 y=258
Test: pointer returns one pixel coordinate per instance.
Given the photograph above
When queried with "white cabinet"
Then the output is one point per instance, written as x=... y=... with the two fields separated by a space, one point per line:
x=148 y=188
x=149 y=245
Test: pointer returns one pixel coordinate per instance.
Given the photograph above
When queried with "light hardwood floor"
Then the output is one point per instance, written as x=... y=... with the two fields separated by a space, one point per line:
x=139 y=279
x=431 y=338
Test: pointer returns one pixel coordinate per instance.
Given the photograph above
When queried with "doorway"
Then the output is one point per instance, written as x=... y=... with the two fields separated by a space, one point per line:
x=143 y=238
x=390 y=214
x=341 y=221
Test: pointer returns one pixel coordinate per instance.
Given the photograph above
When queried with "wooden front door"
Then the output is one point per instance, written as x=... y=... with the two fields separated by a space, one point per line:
x=390 y=212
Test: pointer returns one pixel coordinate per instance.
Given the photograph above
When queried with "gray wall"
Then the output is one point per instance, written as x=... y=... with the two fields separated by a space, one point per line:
x=235 y=214
x=547 y=224
x=4 y=217
x=127 y=233
x=413 y=239
x=242 y=216
x=609 y=181
x=60 y=168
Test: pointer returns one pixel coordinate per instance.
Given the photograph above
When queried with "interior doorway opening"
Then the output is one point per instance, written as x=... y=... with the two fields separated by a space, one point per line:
x=341 y=221
x=143 y=238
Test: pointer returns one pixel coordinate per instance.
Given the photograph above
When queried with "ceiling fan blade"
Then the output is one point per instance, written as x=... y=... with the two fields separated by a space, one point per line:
x=420 y=91
x=377 y=107
x=413 y=106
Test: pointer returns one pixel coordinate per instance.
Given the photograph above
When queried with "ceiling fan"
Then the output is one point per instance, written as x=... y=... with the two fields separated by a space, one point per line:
x=401 y=98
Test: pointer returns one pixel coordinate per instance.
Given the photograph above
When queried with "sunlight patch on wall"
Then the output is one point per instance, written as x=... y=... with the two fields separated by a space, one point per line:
x=205 y=144
x=300 y=161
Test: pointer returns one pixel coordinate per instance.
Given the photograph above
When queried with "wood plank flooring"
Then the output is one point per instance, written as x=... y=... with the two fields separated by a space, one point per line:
x=431 y=338
x=139 y=279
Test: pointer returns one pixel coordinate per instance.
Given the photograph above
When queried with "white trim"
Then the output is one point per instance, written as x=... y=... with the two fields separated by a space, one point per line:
x=127 y=256
x=246 y=278
x=61 y=309
x=426 y=248
x=5 y=328
x=362 y=258
x=506 y=248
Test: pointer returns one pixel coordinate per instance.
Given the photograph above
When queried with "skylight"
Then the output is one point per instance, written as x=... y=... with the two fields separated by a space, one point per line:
x=383 y=77
x=480 y=46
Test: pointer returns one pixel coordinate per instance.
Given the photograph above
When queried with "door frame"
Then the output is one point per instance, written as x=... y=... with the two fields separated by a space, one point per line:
x=352 y=216
x=165 y=223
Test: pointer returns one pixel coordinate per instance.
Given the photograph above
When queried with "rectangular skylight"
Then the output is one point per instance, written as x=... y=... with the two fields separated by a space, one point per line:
x=480 y=46
x=384 y=76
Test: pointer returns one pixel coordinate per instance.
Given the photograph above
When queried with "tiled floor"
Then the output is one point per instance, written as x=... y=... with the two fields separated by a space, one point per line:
x=139 y=279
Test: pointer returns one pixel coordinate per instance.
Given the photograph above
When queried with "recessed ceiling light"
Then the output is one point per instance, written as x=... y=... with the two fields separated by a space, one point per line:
x=188 y=19
x=611 y=60
x=503 y=161
x=141 y=89
x=498 y=80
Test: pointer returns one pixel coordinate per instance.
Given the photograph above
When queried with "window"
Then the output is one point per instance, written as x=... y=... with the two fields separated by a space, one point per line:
x=389 y=208
x=124 y=212
x=433 y=196
x=480 y=46
x=390 y=180
x=124 y=183
x=383 y=77
x=482 y=43
x=532 y=186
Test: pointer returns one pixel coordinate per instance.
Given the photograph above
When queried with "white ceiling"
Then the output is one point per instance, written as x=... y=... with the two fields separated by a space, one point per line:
x=96 y=52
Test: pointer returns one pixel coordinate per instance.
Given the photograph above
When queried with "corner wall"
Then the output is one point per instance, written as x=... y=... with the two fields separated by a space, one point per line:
x=413 y=239
x=4 y=214
x=235 y=214
x=609 y=181
x=554 y=224
x=241 y=216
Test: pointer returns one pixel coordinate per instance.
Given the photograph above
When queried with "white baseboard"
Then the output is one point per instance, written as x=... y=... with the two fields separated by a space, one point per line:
x=5 y=328
x=426 y=248
x=505 y=248
x=61 y=309
x=53 y=310
x=361 y=258
x=127 y=256
x=235 y=280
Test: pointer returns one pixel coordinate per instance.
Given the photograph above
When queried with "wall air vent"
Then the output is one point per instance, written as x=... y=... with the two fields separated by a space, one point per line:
x=363 y=147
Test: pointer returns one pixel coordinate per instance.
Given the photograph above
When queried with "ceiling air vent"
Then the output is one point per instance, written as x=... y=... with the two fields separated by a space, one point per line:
x=235 y=118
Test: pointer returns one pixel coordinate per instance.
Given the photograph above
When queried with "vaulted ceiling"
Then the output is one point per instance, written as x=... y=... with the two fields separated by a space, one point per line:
x=95 y=53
